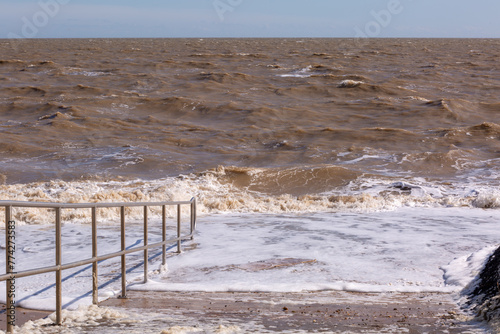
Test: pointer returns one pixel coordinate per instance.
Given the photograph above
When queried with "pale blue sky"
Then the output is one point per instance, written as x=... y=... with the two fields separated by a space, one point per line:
x=249 y=18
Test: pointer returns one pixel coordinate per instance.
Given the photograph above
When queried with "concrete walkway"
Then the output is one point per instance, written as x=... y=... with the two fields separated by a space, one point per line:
x=304 y=312
x=239 y=312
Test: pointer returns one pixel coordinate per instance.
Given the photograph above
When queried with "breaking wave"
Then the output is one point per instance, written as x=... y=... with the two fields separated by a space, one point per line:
x=246 y=190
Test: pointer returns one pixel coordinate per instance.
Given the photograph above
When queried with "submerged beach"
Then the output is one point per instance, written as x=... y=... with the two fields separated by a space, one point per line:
x=318 y=165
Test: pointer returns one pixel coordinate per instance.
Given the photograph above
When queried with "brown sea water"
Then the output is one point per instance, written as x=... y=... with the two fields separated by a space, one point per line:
x=270 y=116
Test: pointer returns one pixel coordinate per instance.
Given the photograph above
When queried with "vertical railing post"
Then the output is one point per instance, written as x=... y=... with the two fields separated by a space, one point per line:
x=9 y=269
x=95 y=286
x=179 y=228
x=164 y=234
x=123 y=244
x=58 y=272
x=193 y=216
x=145 y=244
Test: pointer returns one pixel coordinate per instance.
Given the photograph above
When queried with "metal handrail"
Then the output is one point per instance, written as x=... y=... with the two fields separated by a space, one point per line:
x=10 y=275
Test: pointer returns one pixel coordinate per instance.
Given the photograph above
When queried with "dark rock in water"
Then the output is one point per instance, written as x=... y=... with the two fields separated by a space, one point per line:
x=484 y=298
x=404 y=186
x=489 y=280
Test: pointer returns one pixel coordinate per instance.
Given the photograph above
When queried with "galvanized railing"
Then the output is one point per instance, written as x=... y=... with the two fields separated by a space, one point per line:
x=58 y=268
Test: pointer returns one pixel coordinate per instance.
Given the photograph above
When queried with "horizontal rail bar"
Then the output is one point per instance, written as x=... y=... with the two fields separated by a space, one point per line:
x=80 y=263
x=52 y=205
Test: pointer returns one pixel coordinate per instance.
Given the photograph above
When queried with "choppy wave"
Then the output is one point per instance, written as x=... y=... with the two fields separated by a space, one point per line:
x=289 y=123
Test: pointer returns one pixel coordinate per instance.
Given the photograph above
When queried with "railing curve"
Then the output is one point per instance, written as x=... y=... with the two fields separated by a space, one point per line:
x=10 y=273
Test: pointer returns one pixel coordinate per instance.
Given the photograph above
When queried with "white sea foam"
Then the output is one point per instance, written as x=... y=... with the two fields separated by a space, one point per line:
x=76 y=321
x=488 y=200
x=461 y=270
x=350 y=83
x=215 y=194
x=401 y=251
x=407 y=250
x=79 y=71
x=182 y=330
x=302 y=73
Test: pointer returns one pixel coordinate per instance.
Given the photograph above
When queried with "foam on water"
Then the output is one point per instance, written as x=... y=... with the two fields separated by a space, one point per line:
x=402 y=251
x=407 y=250
x=462 y=269
x=83 y=319
x=230 y=189
x=92 y=319
x=350 y=83
x=302 y=73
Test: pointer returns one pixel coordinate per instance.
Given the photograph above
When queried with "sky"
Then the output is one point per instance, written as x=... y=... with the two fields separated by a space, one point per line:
x=248 y=18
